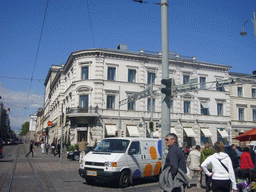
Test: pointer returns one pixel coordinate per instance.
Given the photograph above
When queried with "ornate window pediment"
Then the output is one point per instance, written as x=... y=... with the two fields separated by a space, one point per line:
x=83 y=88
x=187 y=96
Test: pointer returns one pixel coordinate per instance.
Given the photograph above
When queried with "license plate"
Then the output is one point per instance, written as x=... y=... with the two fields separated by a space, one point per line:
x=91 y=173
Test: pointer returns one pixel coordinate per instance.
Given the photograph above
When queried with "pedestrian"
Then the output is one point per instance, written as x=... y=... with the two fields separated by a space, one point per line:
x=47 y=146
x=233 y=156
x=175 y=167
x=53 y=147
x=1 y=147
x=252 y=153
x=246 y=165
x=31 y=149
x=82 y=146
x=193 y=163
x=208 y=151
x=42 y=147
x=222 y=173
x=58 y=149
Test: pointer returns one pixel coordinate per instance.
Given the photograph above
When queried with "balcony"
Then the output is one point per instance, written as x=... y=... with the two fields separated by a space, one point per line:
x=82 y=111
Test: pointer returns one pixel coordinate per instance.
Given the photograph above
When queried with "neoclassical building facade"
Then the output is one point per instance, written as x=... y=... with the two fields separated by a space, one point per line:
x=88 y=88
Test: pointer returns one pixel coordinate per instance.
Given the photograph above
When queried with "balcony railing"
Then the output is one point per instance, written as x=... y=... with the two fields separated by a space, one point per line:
x=90 y=109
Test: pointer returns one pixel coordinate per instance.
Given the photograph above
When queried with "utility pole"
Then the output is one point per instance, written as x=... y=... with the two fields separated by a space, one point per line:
x=119 y=117
x=165 y=110
x=151 y=109
x=61 y=140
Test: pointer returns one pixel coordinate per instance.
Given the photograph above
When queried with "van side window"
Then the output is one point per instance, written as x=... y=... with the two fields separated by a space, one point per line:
x=135 y=146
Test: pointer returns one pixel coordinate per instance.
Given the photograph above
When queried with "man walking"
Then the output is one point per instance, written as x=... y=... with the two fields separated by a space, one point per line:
x=193 y=162
x=175 y=159
x=58 y=149
x=82 y=146
x=30 y=149
x=233 y=156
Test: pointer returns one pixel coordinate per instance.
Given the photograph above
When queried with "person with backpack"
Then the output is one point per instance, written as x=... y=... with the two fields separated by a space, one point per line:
x=222 y=174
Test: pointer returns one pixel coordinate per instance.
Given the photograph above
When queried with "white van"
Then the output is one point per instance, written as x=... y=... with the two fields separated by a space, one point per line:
x=122 y=159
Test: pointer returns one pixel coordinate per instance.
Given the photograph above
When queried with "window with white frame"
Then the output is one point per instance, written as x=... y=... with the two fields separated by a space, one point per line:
x=204 y=109
x=185 y=79
x=111 y=73
x=131 y=106
x=151 y=77
x=254 y=114
x=149 y=104
x=219 y=109
x=239 y=91
x=83 y=101
x=202 y=82
x=186 y=106
x=85 y=72
x=253 y=93
x=219 y=86
x=131 y=75
x=110 y=101
x=241 y=114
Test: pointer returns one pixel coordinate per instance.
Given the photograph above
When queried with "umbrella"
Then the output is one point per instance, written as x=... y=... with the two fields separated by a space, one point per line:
x=247 y=136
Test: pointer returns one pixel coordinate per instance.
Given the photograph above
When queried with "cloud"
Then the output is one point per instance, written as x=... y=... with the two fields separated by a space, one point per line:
x=21 y=105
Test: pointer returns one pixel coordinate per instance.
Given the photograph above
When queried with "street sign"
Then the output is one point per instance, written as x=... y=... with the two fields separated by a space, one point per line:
x=49 y=123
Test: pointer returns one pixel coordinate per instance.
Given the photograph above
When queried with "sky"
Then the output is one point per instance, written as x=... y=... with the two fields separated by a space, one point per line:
x=36 y=34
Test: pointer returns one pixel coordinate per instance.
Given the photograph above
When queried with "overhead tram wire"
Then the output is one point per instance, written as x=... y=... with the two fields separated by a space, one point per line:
x=90 y=23
x=145 y=2
x=37 y=51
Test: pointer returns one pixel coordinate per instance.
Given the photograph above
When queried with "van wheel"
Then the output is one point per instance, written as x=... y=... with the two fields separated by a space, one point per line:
x=124 y=179
x=90 y=181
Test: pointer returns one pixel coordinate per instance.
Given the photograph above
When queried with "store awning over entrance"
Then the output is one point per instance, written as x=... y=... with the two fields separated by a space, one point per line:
x=173 y=130
x=223 y=133
x=111 y=130
x=206 y=132
x=189 y=132
x=133 y=131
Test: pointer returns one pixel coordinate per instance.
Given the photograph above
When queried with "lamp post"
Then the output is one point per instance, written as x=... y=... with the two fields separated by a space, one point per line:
x=243 y=33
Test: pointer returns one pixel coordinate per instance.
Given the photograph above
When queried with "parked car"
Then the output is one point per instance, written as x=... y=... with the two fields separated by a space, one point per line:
x=8 y=142
x=75 y=155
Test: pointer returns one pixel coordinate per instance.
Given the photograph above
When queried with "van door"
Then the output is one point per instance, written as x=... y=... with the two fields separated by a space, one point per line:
x=135 y=159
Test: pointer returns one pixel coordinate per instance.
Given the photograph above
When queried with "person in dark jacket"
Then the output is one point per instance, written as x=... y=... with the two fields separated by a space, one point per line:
x=58 y=150
x=252 y=153
x=175 y=158
x=31 y=149
x=233 y=156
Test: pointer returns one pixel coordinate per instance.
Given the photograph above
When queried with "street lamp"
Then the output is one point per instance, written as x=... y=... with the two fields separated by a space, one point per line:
x=243 y=33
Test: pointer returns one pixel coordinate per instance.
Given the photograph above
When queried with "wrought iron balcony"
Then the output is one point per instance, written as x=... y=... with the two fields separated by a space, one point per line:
x=90 y=110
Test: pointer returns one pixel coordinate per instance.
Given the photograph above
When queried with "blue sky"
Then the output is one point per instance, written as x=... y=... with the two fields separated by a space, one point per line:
x=207 y=29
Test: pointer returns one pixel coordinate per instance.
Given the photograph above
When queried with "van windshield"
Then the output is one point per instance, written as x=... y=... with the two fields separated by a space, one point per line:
x=112 y=146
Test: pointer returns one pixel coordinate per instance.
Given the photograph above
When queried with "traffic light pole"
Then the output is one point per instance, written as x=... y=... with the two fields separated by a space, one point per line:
x=165 y=100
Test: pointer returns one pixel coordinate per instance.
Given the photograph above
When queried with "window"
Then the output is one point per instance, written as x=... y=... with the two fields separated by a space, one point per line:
x=219 y=109
x=204 y=109
x=131 y=75
x=171 y=106
x=219 y=86
x=202 y=82
x=254 y=114
x=186 y=106
x=85 y=72
x=149 y=105
x=110 y=102
x=131 y=106
x=185 y=79
x=253 y=93
x=135 y=148
x=111 y=73
x=151 y=77
x=241 y=114
x=239 y=91
x=83 y=103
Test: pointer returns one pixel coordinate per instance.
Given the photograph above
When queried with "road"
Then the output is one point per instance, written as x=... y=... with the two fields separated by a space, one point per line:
x=44 y=172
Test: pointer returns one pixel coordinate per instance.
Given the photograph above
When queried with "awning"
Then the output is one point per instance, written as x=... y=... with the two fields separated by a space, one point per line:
x=189 y=132
x=111 y=130
x=133 y=131
x=205 y=105
x=223 y=133
x=173 y=130
x=206 y=132
x=156 y=134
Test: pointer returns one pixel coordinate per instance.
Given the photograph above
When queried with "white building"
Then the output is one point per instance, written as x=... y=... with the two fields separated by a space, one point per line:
x=87 y=88
x=32 y=126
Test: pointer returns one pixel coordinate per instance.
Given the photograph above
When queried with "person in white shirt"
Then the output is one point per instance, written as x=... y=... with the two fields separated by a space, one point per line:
x=222 y=170
x=193 y=163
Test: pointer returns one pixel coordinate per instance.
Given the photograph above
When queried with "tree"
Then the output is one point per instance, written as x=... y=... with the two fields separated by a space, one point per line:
x=25 y=128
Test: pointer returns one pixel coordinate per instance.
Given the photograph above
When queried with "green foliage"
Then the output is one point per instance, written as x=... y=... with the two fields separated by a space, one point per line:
x=25 y=128
x=70 y=148
x=76 y=146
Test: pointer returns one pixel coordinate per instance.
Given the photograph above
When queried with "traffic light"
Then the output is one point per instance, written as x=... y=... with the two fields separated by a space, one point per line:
x=151 y=125
x=168 y=90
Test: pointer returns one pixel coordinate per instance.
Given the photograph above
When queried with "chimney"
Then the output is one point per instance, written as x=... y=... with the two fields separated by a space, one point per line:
x=122 y=47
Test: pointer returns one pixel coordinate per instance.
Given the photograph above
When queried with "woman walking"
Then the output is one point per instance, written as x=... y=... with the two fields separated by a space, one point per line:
x=222 y=170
